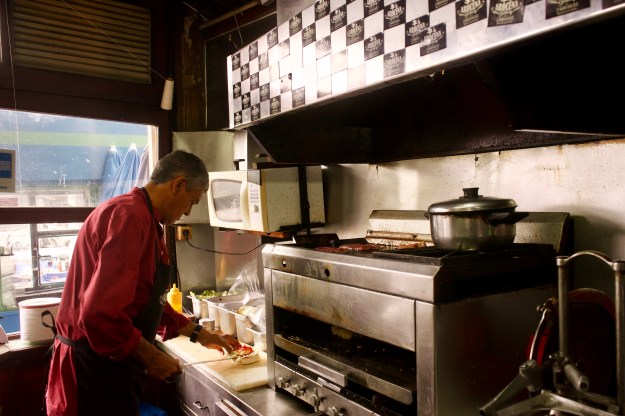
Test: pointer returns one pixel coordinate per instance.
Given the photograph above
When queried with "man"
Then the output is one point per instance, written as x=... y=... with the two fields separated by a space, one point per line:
x=111 y=303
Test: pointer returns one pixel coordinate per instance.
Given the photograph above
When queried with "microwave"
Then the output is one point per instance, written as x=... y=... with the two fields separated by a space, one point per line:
x=264 y=200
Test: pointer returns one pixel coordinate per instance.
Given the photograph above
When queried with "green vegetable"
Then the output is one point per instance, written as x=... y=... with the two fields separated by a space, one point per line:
x=208 y=293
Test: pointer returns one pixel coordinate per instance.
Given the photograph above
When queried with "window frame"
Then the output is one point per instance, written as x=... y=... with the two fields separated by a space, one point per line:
x=50 y=92
x=57 y=93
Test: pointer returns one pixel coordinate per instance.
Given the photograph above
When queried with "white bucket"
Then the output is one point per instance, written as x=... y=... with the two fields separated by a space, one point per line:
x=31 y=327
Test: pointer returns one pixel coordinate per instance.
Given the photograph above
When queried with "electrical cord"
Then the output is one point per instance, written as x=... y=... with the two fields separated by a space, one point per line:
x=220 y=252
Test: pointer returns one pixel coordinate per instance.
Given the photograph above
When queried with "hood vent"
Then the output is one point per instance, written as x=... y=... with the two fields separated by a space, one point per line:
x=560 y=88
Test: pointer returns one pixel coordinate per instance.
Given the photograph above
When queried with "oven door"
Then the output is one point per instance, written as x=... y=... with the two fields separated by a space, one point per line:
x=348 y=341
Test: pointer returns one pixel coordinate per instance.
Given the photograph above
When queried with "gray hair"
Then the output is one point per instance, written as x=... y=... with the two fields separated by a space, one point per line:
x=181 y=163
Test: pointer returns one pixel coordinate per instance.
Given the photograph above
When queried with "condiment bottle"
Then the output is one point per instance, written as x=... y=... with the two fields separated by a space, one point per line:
x=174 y=297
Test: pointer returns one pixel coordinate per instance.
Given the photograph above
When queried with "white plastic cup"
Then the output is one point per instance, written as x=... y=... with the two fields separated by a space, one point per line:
x=208 y=324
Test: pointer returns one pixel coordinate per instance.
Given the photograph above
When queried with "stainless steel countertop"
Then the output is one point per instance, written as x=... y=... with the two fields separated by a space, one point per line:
x=261 y=401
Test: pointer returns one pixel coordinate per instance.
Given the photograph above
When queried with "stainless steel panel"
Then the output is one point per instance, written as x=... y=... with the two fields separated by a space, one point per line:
x=270 y=323
x=195 y=396
x=468 y=351
x=315 y=394
x=215 y=149
x=373 y=314
x=361 y=375
x=382 y=275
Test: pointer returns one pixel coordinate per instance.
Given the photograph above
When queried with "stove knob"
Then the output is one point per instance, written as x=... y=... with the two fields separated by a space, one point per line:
x=316 y=400
x=336 y=412
x=283 y=382
x=299 y=390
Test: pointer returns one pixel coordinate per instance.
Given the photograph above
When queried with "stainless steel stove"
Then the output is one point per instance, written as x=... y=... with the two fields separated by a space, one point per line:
x=404 y=332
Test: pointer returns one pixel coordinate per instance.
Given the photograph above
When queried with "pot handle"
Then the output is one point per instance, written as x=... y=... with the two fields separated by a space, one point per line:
x=427 y=215
x=497 y=218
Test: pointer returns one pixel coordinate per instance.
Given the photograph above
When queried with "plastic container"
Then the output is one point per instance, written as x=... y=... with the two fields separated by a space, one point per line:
x=243 y=323
x=213 y=304
x=174 y=298
x=208 y=324
x=227 y=320
x=260 y=339
x=200 y=308
x=30 y=318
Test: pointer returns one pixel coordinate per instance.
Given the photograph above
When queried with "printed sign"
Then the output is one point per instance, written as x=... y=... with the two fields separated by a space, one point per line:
x=238 y=118
x=469 y=11
x=435 y=40
x=256 y=112
x=253 y=50
x=437 y=4
x=299 y=97
x=236 y=61
x=372 y=7
x=374 y=46
x=246 y=100
x=505 y=12
x=7 y=170
x=355 y=32
x=308 y=35
x=254 y=81
x=394 y=14
x=394 y=63
x=263 y=61
x=245 y=72
x=274 y=105
x=338 y=18
x=272 y=38
x=236 y=90
x=557 y=8
x=322 y=8
x=264 y=92
x=416 y=30
x=295 y=24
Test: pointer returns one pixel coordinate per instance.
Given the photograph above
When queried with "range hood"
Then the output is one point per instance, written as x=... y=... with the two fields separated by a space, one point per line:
x=564 y=86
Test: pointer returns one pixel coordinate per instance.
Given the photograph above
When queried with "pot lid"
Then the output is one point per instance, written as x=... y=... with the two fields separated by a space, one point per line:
x=471 y=202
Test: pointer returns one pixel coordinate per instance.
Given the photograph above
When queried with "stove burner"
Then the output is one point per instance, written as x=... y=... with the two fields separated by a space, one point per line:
x=434 y=256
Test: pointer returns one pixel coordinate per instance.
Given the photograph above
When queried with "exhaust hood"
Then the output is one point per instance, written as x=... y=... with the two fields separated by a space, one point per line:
x=557 y=86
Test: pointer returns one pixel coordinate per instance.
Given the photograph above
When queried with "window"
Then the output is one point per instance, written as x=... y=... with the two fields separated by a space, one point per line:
x=62 y=164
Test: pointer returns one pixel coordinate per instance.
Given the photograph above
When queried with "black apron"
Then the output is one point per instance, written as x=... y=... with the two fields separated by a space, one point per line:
x=109 y=387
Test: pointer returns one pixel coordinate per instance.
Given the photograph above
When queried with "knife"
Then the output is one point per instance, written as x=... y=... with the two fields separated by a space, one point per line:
x=230 y=357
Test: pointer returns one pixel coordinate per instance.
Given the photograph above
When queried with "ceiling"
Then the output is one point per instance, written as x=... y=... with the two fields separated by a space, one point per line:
x=211 y=9
x=221 y=16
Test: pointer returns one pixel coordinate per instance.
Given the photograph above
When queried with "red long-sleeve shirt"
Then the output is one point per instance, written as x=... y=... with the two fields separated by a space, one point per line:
x=108 y=282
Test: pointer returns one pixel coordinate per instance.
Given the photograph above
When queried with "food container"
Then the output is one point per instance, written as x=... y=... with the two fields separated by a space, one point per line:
x=31 y=318
x=200 y=308
x=227 y=321
x=213 y=306
x=474 y=222
x=227 y=314
x=243 y=323
x=260 y=339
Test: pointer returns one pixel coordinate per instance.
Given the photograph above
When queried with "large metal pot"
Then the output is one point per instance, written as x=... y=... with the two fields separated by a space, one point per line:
x=474 y=222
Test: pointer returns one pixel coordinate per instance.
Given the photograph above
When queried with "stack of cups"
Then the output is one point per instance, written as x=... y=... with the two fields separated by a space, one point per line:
x=208 y=324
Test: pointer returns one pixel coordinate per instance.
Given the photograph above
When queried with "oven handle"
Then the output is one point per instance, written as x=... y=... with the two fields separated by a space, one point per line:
x=326 y=373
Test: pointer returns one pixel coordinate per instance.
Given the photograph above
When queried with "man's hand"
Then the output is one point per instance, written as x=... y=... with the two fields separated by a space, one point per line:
x=218 y=342
x=157 y=363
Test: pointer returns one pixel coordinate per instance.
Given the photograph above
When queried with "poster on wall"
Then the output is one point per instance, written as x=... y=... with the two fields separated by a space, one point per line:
x=7 y=170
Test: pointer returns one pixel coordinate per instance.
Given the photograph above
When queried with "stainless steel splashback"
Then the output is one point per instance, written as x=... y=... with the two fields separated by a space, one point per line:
x=201 y=269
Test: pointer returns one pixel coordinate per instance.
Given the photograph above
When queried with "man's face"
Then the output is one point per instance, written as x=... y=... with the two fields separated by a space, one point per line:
x=182 y=201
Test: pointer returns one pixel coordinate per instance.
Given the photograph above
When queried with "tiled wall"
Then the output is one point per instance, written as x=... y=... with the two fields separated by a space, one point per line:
x=335 y=47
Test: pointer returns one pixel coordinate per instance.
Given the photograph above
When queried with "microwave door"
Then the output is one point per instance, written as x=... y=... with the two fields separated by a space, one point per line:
x=226 y=203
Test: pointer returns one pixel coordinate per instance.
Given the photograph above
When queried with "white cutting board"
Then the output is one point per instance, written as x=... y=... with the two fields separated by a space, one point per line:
x=238 y=377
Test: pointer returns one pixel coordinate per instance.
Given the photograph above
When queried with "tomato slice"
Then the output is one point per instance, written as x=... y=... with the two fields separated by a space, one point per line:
x=244 y=350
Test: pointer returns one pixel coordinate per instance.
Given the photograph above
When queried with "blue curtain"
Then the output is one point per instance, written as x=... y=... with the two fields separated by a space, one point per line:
x=111 y=167
x=117 y=181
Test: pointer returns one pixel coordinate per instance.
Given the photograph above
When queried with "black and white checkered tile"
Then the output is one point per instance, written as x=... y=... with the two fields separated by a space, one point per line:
x=337 y=46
